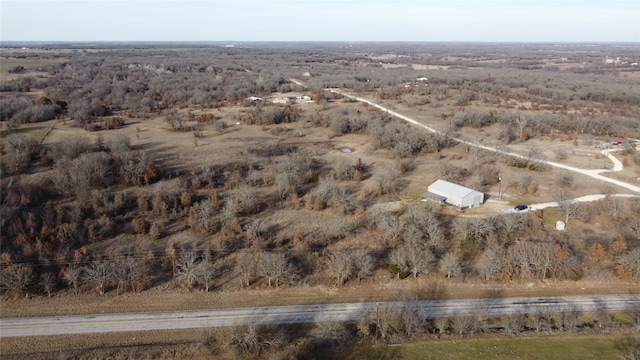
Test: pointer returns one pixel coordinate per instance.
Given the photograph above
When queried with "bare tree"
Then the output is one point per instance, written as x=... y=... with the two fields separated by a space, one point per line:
x=566 y=205
x=410 y=316
x=186 y=268
x=177 y=121
x=387 y=322
x=420 y=260
x=630 y=262
x=73 y=146
x=246 y=266
x=343 y=170
x=363 y=264
x=471 y=232
x=156 y=230
x=513 y=323
x=245 y=198
x=413 y=235
x=340 y=267
x=205 y=272
x=522 y=121
x=480 y=317
x=275 y=267
x=100 y=273
x=451 y=172
x=615 y=207
x=127 y=272
x=342 y=200
x=531 y=258
x=631 y=229
x=48 y=281
x=201 y=217
x=602 y=318
x=398 y=262
x=229 y=211
x=634 y=316
x=435 y=235
x=391 y=227
x=291 y=173
x=73 y=275
x=450 y=265
x=533 y=152
x=322 y=195
x=16 y=277
x=489 y=264
x=511 y=223
x=442 y=325
x=331 y=333
x=564 y=179
x=536 y=320
x=462 y=324
x=256 y=232
x=248 y=340
x=388 y=180
x=570 y=320
x=18 y=153
x=629 y=348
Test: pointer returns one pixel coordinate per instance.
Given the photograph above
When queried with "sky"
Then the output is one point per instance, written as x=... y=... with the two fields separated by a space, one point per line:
x=321 y=20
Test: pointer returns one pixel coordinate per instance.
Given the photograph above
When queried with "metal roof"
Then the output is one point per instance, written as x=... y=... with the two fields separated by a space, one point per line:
x=450 y=188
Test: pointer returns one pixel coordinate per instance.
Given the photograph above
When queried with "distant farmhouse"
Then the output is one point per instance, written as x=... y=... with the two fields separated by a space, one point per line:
x=290 y=98
x=296 y=97
x=453 y=194
x=617 y=140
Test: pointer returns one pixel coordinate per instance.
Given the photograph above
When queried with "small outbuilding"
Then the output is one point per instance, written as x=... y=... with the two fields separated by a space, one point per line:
x=453 y=194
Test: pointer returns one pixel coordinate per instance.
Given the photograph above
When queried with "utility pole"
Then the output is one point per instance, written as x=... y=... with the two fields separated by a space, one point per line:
x=377 y=322
x=500 y=187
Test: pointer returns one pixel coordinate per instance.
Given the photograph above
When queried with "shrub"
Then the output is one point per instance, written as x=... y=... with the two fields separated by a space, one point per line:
x=519 y=163
x=396 y=271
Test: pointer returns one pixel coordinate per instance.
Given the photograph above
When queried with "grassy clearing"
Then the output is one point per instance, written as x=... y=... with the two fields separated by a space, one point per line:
x=133 y=342
x=7 y=64
x=551 y=215
x=557 y=347
x=38 y=132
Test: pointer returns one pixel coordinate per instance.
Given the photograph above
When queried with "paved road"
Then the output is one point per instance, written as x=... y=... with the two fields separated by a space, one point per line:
x=597 y=174
x=304 y=314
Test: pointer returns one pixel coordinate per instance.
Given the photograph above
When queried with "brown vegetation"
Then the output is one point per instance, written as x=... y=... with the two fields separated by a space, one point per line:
x=265 y=200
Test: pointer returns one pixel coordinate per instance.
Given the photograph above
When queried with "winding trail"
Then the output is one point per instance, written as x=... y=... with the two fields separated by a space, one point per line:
x=596 y=174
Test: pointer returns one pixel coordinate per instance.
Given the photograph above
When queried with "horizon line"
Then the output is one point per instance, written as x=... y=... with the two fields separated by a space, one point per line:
x=325 y=41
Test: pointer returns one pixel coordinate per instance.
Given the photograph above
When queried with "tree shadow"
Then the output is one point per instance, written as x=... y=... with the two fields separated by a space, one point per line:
x=436 y=290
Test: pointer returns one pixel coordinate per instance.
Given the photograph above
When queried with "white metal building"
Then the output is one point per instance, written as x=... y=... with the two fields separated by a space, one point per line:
x=454 y=194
